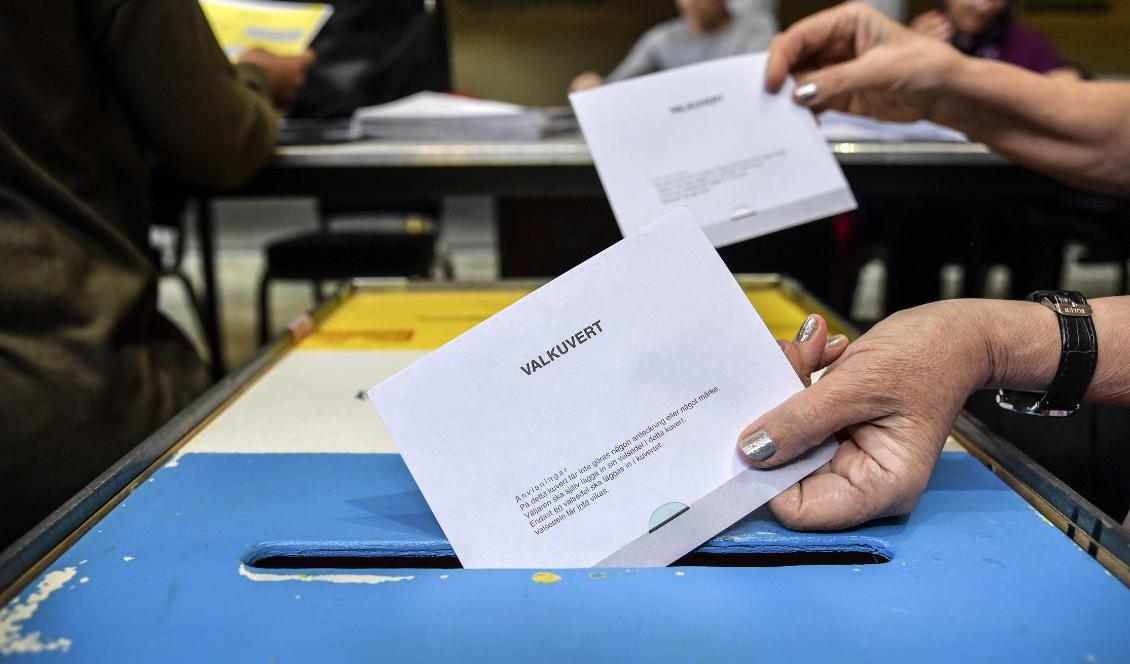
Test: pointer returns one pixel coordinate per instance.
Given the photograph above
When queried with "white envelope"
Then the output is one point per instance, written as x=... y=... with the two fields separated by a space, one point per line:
x=709 y=138
x=594 y=421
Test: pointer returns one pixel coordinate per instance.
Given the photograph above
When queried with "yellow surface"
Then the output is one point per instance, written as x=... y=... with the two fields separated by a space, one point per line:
x=422 y=320
x=282 y=28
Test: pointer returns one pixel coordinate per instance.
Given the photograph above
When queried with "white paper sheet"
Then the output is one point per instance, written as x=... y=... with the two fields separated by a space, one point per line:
x=709 y=138
x=441 y=116
x=559 y=432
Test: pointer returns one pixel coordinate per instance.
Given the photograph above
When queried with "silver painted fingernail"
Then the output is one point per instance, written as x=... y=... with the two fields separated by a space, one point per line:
x=835 y=341
x=806 y=330
x=806 y=92
x=759 y=446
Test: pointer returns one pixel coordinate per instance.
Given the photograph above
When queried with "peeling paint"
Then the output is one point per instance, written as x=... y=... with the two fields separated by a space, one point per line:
x=328 y=578
x=680 y=573
x=175 y=460
x=127 y=558
x=545 y=577
x=12 y=639
x=444 y=576
x=1042 y=517
x=85 y=579
x=598 y=576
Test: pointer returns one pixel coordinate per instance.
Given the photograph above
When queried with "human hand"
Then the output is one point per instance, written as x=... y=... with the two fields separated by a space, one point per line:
x=933 y=24
x=854 y=59
x=285 y=73
x=890 y=398
x=585 y=81
x=812 y=349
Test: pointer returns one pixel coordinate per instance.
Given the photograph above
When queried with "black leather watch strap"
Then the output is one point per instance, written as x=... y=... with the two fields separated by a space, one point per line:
x=1077 y=359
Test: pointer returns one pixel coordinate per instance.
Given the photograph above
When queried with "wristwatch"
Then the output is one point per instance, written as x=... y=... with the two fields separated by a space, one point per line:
x=1078 y=353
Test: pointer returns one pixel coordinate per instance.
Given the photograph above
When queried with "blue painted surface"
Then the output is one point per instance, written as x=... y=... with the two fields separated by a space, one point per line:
x=975 y=574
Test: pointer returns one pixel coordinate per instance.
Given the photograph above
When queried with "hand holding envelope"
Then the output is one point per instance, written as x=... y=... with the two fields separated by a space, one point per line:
x=593 y=422
x=708 y=137
x=617 y=450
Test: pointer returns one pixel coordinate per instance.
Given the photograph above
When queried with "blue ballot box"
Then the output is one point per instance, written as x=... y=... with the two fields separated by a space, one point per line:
x=273 y=521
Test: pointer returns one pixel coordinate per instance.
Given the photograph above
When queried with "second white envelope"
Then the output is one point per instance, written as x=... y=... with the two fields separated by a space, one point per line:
x=708 y=137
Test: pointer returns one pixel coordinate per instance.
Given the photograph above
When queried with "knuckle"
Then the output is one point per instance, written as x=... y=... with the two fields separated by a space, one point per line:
x=807 y=411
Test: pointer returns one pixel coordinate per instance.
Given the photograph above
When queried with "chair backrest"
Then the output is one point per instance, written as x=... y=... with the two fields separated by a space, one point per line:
x=373 y=51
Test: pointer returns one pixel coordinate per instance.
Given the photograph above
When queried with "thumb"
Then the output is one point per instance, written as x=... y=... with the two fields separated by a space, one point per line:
x=821 y=88
x=803 y=421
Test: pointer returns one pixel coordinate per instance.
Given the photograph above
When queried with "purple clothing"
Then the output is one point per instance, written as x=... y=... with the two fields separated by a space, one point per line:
x=1022 y=46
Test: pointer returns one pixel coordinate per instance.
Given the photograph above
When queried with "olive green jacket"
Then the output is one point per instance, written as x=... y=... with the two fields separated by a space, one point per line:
x=95 y=94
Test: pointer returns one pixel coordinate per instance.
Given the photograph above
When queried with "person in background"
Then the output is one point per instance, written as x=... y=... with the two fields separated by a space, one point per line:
x=97 y=93
x=984 y=29
x=704 y=30
x=987 y=29
x=374 y=52
x=891 y=396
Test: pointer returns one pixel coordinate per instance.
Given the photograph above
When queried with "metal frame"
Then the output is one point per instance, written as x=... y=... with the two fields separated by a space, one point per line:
x=573 y=151
x=1103 y=538
x=20 y=563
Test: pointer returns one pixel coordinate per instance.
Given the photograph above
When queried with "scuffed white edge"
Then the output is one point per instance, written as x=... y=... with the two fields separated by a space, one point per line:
x=328 y=578
x=12 y=617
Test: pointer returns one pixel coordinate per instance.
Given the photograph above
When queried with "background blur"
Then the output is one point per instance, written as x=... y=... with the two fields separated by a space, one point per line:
x=527 y=51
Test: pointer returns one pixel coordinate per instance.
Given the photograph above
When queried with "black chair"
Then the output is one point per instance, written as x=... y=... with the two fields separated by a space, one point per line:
x=168 y=257
x=336 y=255
x=374 y=51
x=368 y=53
x=1103 y=225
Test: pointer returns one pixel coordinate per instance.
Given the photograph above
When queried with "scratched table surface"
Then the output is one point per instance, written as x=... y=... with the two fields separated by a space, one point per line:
x=233 y=549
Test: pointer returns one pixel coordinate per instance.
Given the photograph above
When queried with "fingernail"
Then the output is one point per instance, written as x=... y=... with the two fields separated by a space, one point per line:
x=759 y=446
x=806 y=330
x=835 y=341
x=806 y=92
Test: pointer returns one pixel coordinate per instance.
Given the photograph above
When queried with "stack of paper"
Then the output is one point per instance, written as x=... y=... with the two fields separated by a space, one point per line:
x=838 y=126
x=438 y=116
x=283 y=28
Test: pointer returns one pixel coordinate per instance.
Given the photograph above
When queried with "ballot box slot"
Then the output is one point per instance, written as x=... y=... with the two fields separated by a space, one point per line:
x=789 y=559
x=357 y=562
x=311 y=558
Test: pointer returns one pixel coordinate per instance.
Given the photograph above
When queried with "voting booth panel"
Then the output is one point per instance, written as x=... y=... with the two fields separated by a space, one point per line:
x=280 y=523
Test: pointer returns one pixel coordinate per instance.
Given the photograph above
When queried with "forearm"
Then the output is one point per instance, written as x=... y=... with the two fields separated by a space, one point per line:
x=206 y=121
x=1021 y=346
x=1074 y=130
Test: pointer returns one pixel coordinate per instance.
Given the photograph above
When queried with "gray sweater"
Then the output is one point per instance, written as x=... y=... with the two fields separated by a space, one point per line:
x=670 y=44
